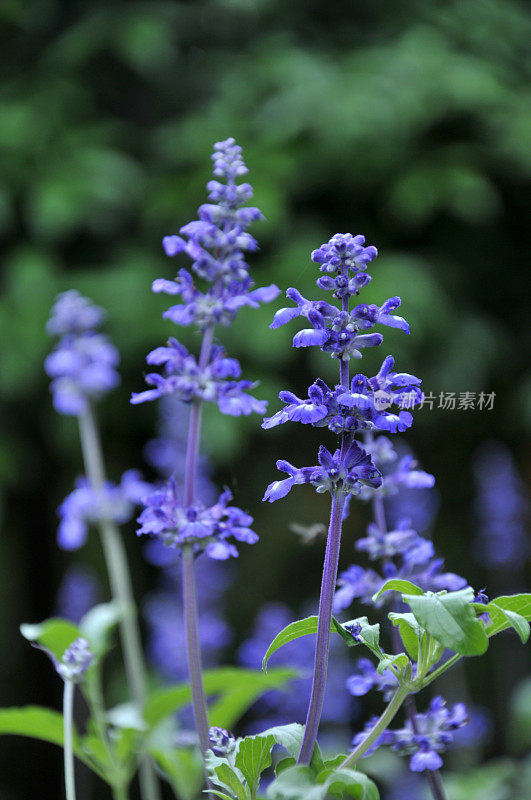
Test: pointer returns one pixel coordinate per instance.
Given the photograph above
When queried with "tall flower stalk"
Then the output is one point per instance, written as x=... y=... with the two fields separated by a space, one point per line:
x=83 y=368
x=216 y=243
x=351 y=407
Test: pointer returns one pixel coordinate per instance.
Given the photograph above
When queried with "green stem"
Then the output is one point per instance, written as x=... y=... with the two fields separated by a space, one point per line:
x=379 y=727
x=120 y=582
x=68 y=746
x=120 y=792
x=94 y=697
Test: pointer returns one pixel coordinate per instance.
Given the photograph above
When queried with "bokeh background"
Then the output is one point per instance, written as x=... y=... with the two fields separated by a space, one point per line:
x=409 y=122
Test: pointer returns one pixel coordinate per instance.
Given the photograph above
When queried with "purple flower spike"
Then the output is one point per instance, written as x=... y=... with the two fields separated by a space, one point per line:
x=83 y=364
x=206 y=529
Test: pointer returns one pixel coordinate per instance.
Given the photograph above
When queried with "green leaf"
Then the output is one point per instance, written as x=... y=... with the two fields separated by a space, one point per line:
x=451 y=620
x=307 y=626
x=399 y=660
x=284 y=763
x=296 y=783
x=369 y=633
x=340 y=782
x=220 y=794
x=410 y=632
x=253 y=757
x=55 y=635
x=237 y=690
x=41 y=723
x=331 y=763
x=290 y=737
x=97 y=624
x=511 y=619
x=302 y=627
x=227 y=778
x=501 y=611
x=398 y=585
x=95 y=748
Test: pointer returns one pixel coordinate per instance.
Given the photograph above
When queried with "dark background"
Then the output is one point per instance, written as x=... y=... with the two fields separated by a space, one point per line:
x=409 y=122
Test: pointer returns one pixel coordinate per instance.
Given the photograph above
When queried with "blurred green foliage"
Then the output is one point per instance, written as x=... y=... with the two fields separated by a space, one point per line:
x=408 y=122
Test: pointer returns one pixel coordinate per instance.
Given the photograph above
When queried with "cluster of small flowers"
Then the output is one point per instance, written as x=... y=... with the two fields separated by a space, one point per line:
x=362 y=404
x=424 y=737
x=83 y=363
x=341 y=332
x=86 y=505
x=222 y=742
x=75 y=661
x=217 y=382
x=206 y=529
x=216 y=244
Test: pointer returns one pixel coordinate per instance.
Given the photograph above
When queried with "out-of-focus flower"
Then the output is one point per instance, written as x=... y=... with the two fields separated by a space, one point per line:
x=83 y=363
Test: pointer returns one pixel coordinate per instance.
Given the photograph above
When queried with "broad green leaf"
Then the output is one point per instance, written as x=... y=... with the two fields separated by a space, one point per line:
x=519 y=604
x=54 y=634
x=296 y=783
x=97 y=624
x=227 y=778
x=253 y=757
x=350 y=783
x=307 y=626
x=290 y=737
x=410 y=632
x=451 y=620
x=236 y=690
x=40 y=723
x=302 y=627
x=512 y=619
x=398 y=585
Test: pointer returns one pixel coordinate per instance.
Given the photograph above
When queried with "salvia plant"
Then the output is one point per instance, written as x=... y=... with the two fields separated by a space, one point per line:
x=412 y=620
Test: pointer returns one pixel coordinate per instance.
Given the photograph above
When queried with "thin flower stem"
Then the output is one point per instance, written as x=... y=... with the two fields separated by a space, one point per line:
x=320 y=669
x=433 y=776
x=378 y=728
x=195 y=672
x=193 y=650
x=121 y=589
x=68 y=746
x=328 y=585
